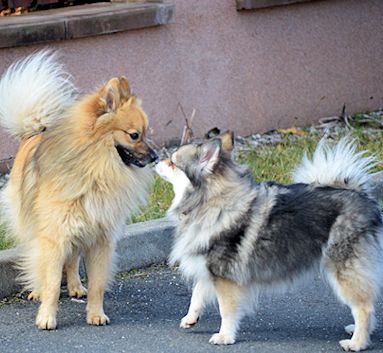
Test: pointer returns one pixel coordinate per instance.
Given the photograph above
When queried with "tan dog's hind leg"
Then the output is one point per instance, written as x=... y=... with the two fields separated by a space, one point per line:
x=229 y=295
x=75 y=287
x=71 y=268
x=98 y=260
x=50 y=266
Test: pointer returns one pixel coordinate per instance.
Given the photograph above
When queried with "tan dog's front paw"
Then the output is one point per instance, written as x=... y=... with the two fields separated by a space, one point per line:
x=46 y=321
x=220 y=338
x=35 y=296
x=77 y=292
x=188 y=321
x=97 y=319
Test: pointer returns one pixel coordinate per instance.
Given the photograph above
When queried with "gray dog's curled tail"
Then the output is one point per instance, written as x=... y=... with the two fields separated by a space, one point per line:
x=339 y=165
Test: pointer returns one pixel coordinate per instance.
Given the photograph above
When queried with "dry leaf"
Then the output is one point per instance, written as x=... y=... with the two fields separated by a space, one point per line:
x=292 y=131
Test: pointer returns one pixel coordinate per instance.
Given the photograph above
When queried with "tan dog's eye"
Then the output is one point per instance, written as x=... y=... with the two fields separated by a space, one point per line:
x=134 y=135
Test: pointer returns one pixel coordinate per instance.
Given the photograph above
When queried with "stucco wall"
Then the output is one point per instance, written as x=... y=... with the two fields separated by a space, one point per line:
x=247 y=71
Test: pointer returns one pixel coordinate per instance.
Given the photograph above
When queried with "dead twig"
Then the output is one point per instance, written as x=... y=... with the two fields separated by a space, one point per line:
x=346 y=117
x=329 y=119
x=187 y=133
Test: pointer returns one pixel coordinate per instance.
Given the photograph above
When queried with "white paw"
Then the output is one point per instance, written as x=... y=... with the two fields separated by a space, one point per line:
x=220 y=338
x=352 y=346
x=97 y=319
x=77 y=292
x=188 y=321
x=46 y=322
x=35 y=296
x=350 y=329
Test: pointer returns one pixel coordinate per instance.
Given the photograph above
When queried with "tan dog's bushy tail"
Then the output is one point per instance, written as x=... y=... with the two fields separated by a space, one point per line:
x=34 y=92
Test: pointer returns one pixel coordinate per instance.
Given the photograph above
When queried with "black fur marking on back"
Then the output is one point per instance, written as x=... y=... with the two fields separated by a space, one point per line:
x=294 y=234
x=225 y=247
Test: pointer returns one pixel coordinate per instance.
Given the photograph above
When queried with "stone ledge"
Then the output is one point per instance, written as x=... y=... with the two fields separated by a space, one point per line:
x=83 y=21
x=260 y=4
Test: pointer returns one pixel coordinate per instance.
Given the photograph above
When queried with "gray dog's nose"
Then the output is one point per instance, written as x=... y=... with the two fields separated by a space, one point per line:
x=154 y=157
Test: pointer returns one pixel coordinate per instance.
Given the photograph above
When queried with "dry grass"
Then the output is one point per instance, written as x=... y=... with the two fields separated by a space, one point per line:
x=276 y=162
x=160 y=198
x=269 y=162
x=5 y=242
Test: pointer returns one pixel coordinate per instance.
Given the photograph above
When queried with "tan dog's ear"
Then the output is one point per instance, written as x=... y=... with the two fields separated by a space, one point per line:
x=110 y=95
x=124 y=88
x=227 y=140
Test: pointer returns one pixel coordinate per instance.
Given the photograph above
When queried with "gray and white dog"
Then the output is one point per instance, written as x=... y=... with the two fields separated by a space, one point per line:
x=236 y=238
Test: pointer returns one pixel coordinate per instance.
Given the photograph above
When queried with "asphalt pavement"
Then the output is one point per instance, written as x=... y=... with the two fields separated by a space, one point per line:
x=145 y=308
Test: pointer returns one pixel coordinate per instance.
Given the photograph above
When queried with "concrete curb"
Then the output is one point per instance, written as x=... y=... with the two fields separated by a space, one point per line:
x=142 y=245
x=145 y=244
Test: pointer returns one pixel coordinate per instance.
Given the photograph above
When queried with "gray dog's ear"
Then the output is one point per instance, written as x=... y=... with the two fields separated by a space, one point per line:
x=209 y=155
x=227 y=140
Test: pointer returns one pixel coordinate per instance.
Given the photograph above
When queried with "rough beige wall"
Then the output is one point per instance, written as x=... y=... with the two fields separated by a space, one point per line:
x=247 y=71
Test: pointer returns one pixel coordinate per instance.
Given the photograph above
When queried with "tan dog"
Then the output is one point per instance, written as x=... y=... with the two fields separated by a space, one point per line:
x=78 y=174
